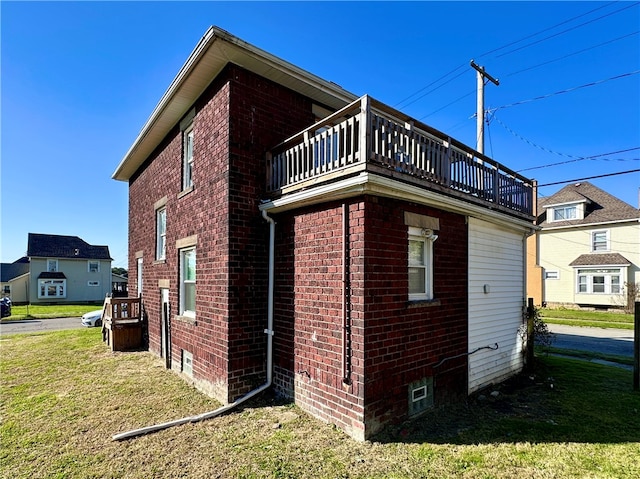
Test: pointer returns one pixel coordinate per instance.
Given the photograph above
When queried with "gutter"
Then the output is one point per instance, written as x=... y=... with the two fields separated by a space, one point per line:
x=246 y=397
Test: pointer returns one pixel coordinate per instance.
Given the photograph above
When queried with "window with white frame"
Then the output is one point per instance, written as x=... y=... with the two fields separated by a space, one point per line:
x=52 y=265
x=93 y=266
x=600 y=240
x=52 y=288
x=421 y=263
x=161 y=233
x=188 y=282
x=561 y=213
x=93 y=283
x=187 y=156
x=599 y=280
x=551 y=274
x=6 y=289
x=139 y=276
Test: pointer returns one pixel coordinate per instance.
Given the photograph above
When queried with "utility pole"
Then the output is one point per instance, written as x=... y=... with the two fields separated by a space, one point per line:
x=480 y=109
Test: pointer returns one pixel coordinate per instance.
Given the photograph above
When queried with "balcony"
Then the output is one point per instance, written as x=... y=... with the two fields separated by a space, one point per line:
x=370 y=137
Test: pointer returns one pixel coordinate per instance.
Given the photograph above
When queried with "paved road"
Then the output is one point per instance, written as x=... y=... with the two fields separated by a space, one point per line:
x=617 y=342
x=39 y=325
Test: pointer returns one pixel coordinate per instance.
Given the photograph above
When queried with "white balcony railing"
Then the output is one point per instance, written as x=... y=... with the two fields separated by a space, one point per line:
x=367 y=132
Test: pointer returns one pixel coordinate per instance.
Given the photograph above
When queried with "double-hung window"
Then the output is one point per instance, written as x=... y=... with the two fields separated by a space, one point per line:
x=421 y=263
x=52 y=288
x=161 y=233
x=93 y=266
x=187 y=158
x=600 y=240
x=599 y=280
x=188 y=282
x=52 y=265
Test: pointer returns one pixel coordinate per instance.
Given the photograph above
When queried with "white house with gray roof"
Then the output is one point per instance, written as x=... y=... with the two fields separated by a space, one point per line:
x=588 y=248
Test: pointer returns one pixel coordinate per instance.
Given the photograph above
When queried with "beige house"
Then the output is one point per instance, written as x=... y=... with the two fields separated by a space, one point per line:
x=66 y=269
x=14 y=280
x=588 y=249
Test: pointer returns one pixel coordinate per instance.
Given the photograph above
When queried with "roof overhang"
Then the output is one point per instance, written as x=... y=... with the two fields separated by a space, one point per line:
x=367 y=183
x=214 y=50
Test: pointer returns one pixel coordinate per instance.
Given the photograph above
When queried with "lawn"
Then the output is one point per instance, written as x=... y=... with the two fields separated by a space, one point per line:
x=596 y=319
x=64 y=395
x=39 y=311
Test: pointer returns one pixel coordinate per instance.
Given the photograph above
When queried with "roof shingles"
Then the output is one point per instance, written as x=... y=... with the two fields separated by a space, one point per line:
x=601 y=207
x=58 y=246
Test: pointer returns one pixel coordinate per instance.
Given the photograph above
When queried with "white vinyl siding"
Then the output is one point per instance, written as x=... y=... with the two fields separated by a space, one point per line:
x=496 y=299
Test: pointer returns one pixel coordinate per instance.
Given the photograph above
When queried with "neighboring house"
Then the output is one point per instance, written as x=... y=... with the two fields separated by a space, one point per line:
x=14 y=280
x=119 y=285
x=66 y=269
x=588 y=249
x=384 y=260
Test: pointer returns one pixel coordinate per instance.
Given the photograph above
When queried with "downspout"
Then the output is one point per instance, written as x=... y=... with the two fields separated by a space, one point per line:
x=249 y=395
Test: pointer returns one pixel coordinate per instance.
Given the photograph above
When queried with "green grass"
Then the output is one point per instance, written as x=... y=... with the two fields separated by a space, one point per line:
x=595 y=319
x=38 y=311
x=64 y=394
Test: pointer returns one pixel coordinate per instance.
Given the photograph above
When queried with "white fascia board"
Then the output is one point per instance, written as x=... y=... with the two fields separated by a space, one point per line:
x=590 y=225
x=367 y=183
x=212 y=53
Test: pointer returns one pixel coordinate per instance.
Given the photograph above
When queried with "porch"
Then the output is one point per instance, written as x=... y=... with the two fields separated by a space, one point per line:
x=370 y=137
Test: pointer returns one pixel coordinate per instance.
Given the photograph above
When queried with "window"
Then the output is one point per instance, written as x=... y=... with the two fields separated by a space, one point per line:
x=93 y=283
x=421 y=263
x=161 y=233
x=52 y=288
x=52 y=265
x=188 y=282
x=93 y=266
x=187 y=166
x=599 y=281
x=600 y=240
x=550 y=274
x=565 y=213
x=6 y=289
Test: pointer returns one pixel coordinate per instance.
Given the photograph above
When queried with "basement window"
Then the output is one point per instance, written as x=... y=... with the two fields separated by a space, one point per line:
x=187 y=363
x=420 y=396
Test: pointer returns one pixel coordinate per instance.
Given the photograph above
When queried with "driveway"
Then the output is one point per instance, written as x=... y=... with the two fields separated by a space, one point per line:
x=618 y=342
x=39 y=325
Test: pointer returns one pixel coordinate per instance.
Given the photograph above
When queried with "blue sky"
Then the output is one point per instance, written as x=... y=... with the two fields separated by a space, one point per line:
x=79 y=80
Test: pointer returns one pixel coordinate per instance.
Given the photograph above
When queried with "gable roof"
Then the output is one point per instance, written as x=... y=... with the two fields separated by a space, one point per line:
x=58 y=246
x=9 y=271
x=600 y=207
x=217 y=48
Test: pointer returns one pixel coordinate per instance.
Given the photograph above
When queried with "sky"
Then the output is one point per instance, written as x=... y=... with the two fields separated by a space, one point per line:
x=79 y=80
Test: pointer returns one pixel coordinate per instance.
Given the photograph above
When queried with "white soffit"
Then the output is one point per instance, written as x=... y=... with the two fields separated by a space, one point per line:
x=210 y=56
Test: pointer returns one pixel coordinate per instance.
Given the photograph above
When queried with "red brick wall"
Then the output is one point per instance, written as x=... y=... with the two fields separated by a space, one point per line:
x=394 y=342
x=227 y=341
x=404 y=341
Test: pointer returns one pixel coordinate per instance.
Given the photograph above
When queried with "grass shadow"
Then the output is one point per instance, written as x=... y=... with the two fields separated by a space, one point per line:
x=565 y=400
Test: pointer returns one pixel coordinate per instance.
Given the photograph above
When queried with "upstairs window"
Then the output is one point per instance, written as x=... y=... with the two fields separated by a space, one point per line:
x=161 y=233
x=93 y=266
x=561 y=213
x=52 y=265
x=600 y=240
x=421 y=263
x=187 y=156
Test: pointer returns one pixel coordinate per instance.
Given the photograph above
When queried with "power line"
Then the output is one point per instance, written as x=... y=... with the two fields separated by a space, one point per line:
x=591 y=177
x=567 y=30
x=427 y=86
x=617 y=77
x=572 y=54
x=542 y=31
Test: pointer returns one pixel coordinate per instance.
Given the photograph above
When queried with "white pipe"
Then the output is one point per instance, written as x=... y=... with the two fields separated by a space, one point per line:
x=249 y=395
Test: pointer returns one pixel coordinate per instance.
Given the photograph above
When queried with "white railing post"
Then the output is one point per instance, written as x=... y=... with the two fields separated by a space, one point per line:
x=364 y=147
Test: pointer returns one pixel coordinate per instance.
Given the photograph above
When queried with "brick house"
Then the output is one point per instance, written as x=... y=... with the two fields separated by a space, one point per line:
x=383 y=259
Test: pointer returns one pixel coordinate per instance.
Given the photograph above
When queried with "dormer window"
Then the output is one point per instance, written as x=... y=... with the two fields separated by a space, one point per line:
x=561 y=213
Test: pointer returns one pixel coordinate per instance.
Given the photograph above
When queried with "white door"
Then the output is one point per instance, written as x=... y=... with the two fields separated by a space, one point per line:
x=165 y=331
